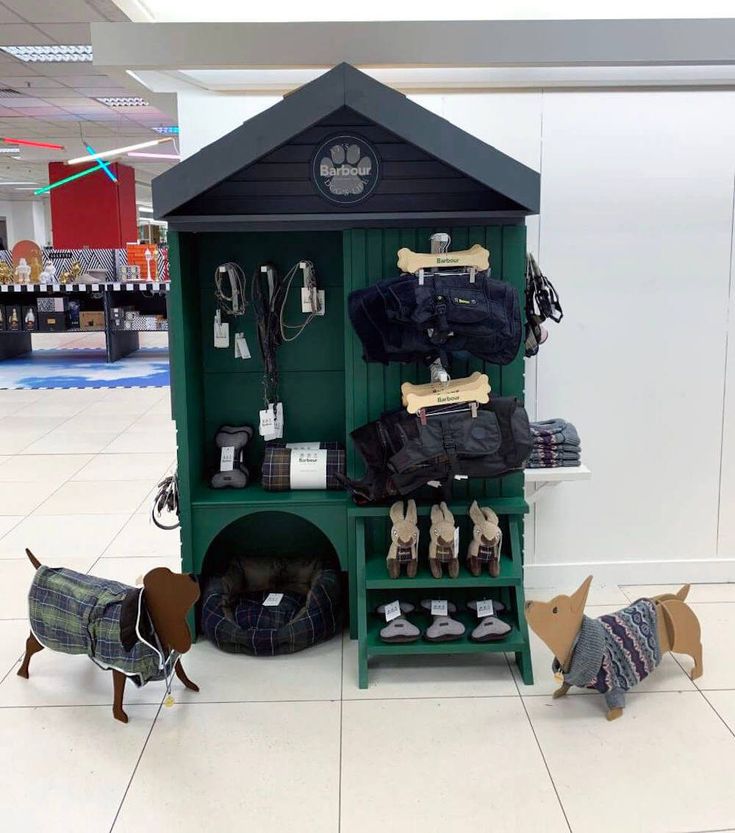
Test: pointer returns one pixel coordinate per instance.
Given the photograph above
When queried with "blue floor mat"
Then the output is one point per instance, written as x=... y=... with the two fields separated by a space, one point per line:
x=85 y=369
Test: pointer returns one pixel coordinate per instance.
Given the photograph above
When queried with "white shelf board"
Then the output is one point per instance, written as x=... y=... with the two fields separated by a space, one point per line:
x=557 y=474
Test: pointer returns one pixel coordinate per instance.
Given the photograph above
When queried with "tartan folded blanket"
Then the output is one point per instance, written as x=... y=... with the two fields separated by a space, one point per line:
x=303 y=466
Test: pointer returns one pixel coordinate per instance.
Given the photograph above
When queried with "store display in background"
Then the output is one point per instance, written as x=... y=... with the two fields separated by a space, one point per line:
x=144 y=256
x=92 y=320
x=26 y=253
x=104 y=265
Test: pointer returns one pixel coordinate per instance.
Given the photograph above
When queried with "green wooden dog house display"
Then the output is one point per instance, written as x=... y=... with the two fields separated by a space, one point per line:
x=275 y=191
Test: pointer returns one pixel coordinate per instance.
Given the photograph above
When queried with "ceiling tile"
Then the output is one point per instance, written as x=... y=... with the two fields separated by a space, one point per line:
x=54 y=11
x=36 y=84
x=21 y=103
x=87 y=81
x=21 y=34
x=6 y=16
x=67 y=33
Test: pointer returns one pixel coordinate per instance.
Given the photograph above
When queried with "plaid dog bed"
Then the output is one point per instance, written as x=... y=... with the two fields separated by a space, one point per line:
x=277 y=466
x=75 y=613
x=241 y=624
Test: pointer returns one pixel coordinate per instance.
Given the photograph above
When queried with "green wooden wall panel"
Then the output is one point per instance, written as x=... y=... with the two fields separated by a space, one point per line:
x=313 y=403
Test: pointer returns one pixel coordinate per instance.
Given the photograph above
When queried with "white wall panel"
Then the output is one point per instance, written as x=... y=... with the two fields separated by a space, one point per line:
x=636 y=219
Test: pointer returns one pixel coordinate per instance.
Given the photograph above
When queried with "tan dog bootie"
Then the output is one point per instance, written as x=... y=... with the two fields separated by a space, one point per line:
x=487 y=539
x=404 y=540
x=443 y=547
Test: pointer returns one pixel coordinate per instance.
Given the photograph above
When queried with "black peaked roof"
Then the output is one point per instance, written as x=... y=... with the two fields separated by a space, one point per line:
x=516 y=185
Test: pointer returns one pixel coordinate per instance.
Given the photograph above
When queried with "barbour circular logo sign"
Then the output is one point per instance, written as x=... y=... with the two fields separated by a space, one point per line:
x=345 y=169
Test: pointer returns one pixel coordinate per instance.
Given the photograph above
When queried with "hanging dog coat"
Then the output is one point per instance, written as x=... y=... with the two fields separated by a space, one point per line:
x=108 y=621
x=403 y=320
x=405 y=451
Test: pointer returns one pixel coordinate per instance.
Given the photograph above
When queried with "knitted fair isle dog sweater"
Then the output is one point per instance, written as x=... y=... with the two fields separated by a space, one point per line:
x=615 y=652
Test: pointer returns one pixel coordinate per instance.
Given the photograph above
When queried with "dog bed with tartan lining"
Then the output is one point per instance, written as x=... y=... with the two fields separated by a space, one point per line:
x=310 y=611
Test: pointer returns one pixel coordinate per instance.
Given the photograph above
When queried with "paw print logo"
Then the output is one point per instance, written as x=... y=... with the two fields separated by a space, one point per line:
x=345 y=169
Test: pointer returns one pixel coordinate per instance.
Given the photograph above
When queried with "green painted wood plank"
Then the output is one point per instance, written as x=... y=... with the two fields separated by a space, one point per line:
x=377 y=577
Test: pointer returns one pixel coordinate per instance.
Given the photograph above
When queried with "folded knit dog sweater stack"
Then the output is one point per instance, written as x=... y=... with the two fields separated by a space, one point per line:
x=555 y=443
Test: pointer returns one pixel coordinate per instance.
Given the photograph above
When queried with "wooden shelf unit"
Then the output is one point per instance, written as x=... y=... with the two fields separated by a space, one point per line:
x=249 y=198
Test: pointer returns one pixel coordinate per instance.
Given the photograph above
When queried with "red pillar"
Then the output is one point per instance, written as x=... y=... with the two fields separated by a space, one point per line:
x=93 y=211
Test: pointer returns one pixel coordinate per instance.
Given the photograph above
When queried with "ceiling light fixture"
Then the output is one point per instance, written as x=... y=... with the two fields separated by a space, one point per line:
x=50 y=54
x=31 y=144
x=155 y=155
x=9 y=150
x=146 y=209
x=171 y=130
x=71 y=178
x=124 y=101
x=106 y=154
x=19 y=182
x=105 y=167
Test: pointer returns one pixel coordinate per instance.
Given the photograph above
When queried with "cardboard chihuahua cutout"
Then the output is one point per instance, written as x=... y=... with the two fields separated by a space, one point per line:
x=614 y=652
x=137 y=633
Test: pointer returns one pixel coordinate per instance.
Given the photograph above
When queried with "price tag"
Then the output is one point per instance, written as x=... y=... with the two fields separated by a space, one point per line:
x=31 y=287
x=242 y=351
x=456 y=541
x=3 y=287
x=16 y=287
x=129 y=287
x=116 y=287
x=156 y=285
x=43 y=288
x=227 y=458
x=485 y=608
x=69 y=287
x=95 y=287
x=438 y=607
x=267 y=421
x=392 y=611
x=272 y=600
x=82 y=287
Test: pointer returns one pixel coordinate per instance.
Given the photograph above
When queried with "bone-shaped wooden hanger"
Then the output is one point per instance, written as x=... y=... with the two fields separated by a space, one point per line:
x=476 y=257
x=474 y=388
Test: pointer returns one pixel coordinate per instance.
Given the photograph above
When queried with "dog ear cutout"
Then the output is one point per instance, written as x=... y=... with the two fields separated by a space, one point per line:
x=169 y=597
x=412 y=514
x=476 y=514
x=578 y=599
x=448 y=516
x=437 y=516
x=396 y=512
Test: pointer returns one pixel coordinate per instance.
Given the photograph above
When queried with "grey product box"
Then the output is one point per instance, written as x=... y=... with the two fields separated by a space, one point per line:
x=45 y=304
x=52 y=304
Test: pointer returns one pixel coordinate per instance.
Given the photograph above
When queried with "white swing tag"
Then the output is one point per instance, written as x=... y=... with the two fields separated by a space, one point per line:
x=227 y=458
x=392 y=611
x=439 y=607
x=272 y=600
x=242 y=351
x=267 y=421
x=456 y=542
x=221 y=331
x=485 y=608
x=271 y=422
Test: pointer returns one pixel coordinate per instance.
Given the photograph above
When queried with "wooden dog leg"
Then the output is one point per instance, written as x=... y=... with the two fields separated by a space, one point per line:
x=118 y=687
x=33 y=646
x=181 y=674
x=698 y=670
x=614 y=714
x=561 y=691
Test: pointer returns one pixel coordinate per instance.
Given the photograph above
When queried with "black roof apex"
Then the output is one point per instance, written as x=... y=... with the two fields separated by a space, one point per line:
x=345 y=86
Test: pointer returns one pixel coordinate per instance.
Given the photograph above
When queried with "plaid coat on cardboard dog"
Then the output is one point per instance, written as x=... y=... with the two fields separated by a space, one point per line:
x=106 y=620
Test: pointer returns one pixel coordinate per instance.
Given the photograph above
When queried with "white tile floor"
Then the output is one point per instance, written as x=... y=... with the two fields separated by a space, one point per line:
x=291 y=743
